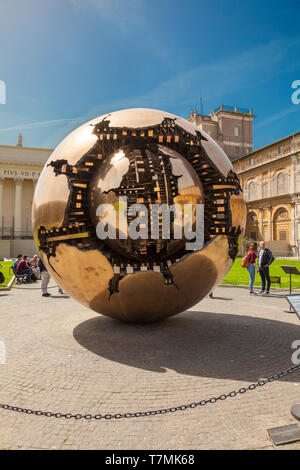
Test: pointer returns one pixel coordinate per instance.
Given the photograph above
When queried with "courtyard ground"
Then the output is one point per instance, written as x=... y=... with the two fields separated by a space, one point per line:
x=63 y=357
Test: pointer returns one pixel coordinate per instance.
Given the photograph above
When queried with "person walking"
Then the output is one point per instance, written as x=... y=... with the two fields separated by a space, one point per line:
x=252 y=268
x=45 y=276
x=265 y=258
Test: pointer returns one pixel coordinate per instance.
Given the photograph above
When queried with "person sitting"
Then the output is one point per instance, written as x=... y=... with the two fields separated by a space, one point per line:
x=15 y=264
x=23 y=268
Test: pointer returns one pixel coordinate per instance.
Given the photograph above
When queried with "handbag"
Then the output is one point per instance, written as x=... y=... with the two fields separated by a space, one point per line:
x=245 y=262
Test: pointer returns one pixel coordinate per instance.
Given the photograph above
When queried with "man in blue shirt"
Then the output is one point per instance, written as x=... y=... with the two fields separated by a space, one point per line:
x=14 y=266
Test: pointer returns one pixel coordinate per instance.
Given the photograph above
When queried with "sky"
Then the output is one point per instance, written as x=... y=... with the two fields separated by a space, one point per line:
x=64 y=62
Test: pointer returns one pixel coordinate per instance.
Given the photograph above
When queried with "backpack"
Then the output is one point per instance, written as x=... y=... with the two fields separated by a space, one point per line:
x=245 y=262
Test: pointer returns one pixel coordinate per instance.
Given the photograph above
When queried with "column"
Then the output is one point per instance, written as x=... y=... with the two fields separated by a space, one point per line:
x=270 y=186
x=297 y=229
x=293 y=176
x=261 y=235
x=270 y=223
x=1 y=200
x=34 y=181
x=18 y=207
x=260 y=196
x=293 y=214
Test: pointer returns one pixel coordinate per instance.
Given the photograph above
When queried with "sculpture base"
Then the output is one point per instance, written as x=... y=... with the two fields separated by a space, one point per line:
x=296 y=411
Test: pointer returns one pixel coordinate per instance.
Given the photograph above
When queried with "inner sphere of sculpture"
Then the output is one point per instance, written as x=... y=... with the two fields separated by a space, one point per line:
x=151 y=177
x=151 y=158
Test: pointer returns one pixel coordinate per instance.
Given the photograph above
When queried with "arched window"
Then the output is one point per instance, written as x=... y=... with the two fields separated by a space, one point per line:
x=281 y=183
x=252 y=191
x=252 y=226
x=281 y=224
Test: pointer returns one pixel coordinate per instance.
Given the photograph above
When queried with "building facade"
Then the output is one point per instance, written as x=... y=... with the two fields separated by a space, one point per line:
x=230 y=126
x=20 y=168
x=270 y=179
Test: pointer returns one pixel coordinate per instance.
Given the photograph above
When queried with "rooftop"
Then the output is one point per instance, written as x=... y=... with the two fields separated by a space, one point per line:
x=276 y=142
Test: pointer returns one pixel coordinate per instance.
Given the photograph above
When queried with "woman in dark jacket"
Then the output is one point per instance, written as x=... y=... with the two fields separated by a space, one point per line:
x=265 y=258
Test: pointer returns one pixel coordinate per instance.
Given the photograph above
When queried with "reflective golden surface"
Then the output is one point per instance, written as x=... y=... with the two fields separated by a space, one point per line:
x=105 y=189
x=164 y=163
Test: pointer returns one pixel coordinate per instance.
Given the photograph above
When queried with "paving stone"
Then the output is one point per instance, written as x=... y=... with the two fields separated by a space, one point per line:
x=63 y=357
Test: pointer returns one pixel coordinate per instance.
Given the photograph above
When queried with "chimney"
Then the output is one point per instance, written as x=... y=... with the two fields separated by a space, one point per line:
x=20 y=141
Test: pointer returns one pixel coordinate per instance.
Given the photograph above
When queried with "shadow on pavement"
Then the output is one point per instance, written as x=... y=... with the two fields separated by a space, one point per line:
x=59 y=296
x=196 y=343
x=221 y=298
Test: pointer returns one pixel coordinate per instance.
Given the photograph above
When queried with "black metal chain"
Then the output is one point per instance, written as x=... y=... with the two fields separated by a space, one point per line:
x=50 y=414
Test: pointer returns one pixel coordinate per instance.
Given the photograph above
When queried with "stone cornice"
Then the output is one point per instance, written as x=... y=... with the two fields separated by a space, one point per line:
x=24 y=165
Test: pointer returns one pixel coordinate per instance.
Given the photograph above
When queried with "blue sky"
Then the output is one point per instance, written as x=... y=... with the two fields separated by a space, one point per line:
x=66 y=61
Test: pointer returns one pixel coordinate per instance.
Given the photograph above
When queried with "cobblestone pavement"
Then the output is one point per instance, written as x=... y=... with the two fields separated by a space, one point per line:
x=64 y=357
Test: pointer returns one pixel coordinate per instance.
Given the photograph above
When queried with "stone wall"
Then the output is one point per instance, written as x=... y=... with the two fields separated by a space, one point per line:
x=12 y=248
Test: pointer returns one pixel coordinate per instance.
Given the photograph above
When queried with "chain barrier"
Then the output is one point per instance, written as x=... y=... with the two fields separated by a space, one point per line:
x=50 y=414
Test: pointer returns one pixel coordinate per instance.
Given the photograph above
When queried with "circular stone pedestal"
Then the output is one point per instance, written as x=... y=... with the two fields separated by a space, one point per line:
x=296 y=411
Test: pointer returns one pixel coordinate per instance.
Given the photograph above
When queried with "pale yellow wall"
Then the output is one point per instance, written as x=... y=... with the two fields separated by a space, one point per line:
x=8 y=206
x=8 y=202
x=279 y=158
x=13 y=248
x=27 y=195
x=5 y=249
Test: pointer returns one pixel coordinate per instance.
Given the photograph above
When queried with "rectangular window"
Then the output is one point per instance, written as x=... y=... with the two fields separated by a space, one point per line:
x=282 y=235
x=236 y=131
x=251 y=161
x=280 y=149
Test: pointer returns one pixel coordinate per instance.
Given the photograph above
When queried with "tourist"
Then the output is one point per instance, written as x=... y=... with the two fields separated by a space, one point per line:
x=15 y=264
x=45 y=276
x=23 y=268
x=252 y=268
x=265 y=258
x=34 y=264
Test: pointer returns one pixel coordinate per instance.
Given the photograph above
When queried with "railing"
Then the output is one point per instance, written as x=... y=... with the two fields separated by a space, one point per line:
x=233 y=108
x=9 y=233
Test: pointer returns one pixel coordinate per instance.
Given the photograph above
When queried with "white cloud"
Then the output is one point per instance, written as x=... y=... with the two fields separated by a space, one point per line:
x=37 y=124
x=280 y=115
x=121 y=13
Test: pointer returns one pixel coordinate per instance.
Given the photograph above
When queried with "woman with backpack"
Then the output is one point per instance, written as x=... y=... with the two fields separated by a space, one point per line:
x=249 y=262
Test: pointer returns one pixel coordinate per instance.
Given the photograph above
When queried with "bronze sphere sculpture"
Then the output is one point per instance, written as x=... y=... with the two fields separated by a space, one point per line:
x=138 y=214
